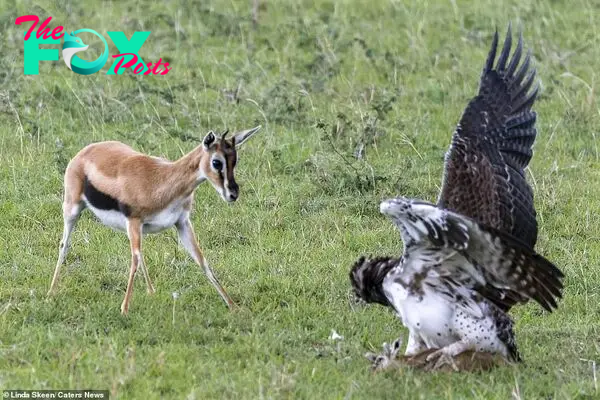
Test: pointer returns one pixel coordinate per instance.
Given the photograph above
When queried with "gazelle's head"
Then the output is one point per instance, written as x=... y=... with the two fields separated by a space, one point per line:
x=221 y=157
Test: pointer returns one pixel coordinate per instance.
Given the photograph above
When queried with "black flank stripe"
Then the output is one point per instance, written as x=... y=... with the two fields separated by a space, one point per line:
x=103 y=201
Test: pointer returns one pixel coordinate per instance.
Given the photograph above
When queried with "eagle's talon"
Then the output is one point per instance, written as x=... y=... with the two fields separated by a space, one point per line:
x=445 y=359
x=441 y=358
x=435 y=355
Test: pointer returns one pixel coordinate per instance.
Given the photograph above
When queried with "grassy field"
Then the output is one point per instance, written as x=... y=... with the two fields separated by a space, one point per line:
x=328 y=81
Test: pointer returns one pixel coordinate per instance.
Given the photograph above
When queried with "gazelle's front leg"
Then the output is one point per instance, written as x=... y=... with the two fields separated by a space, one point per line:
x=134 y=232
x=188 y=240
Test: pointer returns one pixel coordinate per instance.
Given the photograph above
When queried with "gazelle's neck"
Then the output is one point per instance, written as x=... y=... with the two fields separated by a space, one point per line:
x=191 y=161
x=185 y=174
x=192 y=164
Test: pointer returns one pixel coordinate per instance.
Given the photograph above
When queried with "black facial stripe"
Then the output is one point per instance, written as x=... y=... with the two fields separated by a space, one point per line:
x=230 y=159
x=103 y=201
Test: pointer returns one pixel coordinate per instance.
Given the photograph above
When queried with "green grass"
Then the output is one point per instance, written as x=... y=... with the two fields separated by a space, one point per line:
x=322 y=78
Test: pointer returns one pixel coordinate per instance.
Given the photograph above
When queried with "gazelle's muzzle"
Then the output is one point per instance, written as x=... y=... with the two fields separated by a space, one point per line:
x=231 y=191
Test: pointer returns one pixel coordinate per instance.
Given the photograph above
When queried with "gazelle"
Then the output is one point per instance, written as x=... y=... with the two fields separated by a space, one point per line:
x=140 y=194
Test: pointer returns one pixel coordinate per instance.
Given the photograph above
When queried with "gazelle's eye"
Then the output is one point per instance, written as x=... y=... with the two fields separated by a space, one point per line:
x=217 y=164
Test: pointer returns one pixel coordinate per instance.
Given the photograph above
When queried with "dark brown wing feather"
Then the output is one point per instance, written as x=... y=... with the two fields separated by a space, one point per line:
x=484 y=176
x=505 y=260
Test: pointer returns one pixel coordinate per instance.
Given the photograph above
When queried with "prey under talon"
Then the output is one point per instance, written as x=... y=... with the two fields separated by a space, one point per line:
x=442 y=360
x=439 y=359
x=387 y=357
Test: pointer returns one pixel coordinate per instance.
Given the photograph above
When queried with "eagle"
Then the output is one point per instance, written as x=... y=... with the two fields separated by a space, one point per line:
x=468 y=259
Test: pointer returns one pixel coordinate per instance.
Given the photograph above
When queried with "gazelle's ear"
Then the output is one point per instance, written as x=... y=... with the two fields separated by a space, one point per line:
x=209 y=140
x=241 y=137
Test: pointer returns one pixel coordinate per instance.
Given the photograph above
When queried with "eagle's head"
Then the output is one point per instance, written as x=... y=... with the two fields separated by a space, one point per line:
x=367 y=277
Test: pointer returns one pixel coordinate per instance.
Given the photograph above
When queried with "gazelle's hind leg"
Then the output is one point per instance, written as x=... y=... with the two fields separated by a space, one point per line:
x=134 y=232
x=71 y=213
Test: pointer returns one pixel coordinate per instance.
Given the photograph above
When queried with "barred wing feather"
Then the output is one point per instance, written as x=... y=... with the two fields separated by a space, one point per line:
x=496 y=259
x=484 y=176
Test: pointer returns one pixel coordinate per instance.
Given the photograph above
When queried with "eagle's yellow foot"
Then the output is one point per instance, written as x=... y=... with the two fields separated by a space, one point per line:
x=441 y=358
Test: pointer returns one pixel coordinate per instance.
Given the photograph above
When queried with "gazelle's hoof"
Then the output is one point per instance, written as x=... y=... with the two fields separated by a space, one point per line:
x=51 y=291
x=232 y=306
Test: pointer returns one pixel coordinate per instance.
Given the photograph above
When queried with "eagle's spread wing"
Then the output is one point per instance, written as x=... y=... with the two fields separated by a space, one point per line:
x=496 y=259
x=484 y=176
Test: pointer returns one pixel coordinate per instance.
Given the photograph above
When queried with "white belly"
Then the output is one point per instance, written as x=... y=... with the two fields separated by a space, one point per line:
x=154 y=223
x=429 y=317
x=164 y=219
x=111 y=218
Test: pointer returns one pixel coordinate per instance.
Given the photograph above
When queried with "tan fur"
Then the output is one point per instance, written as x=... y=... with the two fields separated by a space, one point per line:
x=148 y=186
x=468 y=361
x=145 y=183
